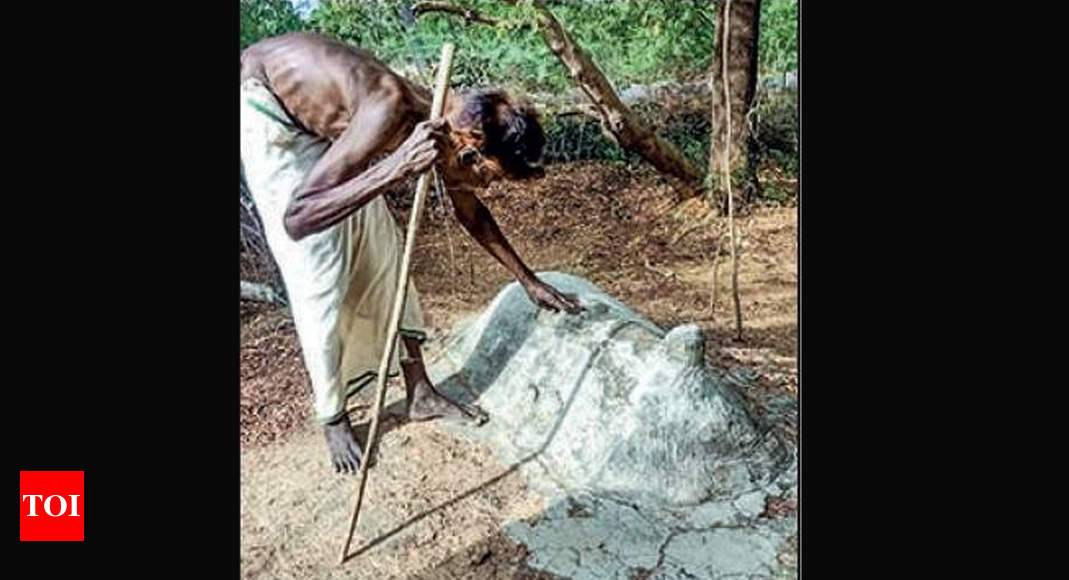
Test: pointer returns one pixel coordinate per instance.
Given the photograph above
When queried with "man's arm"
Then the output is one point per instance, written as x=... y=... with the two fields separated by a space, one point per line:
x=479 y=222
x=334 y=189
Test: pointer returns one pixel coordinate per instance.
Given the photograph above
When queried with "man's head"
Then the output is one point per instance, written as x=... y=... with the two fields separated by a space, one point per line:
x=492 y=137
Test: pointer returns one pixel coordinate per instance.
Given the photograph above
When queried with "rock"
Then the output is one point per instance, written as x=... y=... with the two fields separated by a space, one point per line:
x=606 y=401
x=647 y=458
x=751 y=505
x=722 y=552
x=712 y=514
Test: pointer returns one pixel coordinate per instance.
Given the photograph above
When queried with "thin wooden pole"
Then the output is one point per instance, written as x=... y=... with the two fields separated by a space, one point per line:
x=441 y=85
x=727 y=173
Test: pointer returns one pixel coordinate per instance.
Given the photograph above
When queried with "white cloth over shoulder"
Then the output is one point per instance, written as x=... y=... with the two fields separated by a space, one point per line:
x=340 y=281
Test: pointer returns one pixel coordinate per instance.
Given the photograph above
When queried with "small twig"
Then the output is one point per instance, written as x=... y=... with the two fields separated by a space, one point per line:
x=716 y=277
x=468 y=14
x=448 y=234
x=471 y=271
x=584 y=109
x=662 y=271
x=696 y=224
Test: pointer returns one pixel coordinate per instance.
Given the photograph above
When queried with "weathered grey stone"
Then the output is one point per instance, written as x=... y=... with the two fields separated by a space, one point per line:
x=711 y=514
x=751 y=504
x=608 y=402
x=637 y=446
x=571 y=538
x=722 y=552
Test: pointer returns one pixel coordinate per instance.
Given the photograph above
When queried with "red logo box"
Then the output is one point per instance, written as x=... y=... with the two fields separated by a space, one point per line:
x=52 y=506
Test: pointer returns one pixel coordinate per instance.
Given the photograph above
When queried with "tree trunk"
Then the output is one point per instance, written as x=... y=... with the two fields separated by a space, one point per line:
x=742 y=82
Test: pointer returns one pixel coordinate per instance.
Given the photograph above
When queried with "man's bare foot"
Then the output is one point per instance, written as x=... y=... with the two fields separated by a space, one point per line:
x=427 y=403
x=345 y=452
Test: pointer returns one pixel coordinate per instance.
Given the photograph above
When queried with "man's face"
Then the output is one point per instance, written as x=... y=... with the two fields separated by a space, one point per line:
x=465 y=162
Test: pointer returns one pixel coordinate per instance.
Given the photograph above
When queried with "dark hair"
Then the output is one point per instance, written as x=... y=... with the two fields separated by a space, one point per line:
x=512 y=133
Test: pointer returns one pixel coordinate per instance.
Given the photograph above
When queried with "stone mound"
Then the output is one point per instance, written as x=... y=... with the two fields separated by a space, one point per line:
x=614 y=419
x=607 y=402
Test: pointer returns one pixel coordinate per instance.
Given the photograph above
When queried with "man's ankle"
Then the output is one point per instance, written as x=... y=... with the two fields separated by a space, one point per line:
x=343 y=418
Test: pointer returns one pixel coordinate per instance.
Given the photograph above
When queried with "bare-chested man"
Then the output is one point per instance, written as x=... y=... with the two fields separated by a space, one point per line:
x=326 y=129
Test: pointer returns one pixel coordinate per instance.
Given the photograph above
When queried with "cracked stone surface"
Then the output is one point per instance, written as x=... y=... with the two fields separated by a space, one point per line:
x=647 y=458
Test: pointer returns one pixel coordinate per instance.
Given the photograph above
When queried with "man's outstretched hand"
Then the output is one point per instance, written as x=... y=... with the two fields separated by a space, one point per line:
x=345 y=453
x=546 y=296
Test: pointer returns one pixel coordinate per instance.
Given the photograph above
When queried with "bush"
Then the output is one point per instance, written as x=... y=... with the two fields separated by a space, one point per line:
x=778 y=42
x=634 y=42
x=264 y=18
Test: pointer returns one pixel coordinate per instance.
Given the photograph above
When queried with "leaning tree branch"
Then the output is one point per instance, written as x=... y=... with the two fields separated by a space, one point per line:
x=618 y=121
x=468 y=14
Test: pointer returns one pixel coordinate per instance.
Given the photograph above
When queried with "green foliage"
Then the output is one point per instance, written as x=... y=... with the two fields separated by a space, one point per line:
x=642 y=42
x=264 y=18
x=503 y=55
x=777 y=49
x=776 y=125
x=632 y=41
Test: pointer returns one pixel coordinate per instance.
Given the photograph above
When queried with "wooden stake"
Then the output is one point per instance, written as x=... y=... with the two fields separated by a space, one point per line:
x=441 y=85
x=727 y=174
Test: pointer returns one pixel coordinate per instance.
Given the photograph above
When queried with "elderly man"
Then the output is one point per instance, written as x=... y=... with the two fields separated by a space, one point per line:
x=325 y=130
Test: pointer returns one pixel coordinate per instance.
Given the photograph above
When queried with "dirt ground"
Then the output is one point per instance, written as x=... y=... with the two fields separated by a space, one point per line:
x=434 y=502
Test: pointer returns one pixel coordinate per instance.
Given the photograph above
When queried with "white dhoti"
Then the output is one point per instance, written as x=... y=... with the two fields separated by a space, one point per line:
x=340 y=281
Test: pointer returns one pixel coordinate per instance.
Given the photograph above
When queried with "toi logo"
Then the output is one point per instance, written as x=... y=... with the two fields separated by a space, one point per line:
x=51 y=506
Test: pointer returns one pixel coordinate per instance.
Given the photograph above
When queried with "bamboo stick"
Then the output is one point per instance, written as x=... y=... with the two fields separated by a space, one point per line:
x=440 y=87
